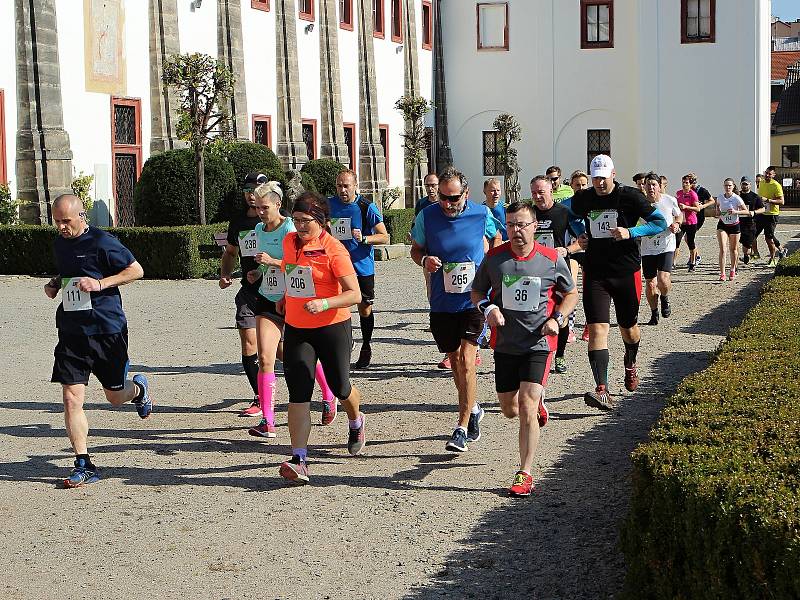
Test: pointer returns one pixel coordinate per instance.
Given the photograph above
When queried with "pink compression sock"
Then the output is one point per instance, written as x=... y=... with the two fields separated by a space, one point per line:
x=319 y=375
x=266 y=396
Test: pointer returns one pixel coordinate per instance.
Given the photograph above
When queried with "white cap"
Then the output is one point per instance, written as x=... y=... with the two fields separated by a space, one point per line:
x=601 y=166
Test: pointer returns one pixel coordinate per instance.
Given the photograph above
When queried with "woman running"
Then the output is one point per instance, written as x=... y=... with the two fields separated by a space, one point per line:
x=321 y=286
x=270 y=233
x=729 y=206
x=689 y=204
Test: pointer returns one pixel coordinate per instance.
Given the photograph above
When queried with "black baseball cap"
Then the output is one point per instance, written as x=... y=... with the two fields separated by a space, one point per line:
x=253 y=180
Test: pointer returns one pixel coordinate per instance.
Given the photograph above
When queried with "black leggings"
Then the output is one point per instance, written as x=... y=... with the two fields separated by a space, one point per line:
x=689 y=231
x=303 y=347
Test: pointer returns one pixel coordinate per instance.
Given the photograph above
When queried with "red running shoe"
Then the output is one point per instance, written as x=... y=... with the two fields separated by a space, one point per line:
x=631 y=378
x=254 y=410
x=585 y=334
x=329 y=410
x=522 y=486
x=445 y=362
x=294 y=471
x=263 y=429
x=544 y=414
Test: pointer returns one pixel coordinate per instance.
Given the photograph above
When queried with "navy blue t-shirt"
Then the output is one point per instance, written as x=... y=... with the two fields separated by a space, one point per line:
x=97 y=254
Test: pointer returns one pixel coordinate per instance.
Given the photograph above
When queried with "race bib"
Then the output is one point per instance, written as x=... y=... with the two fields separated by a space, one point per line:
x=545 y=239
x=273 y=282
x=655 y=244
x=248 y=243
x=730 y=219
x=299 y=282
x=458 y=277
x=521 y=292
x=601 y=222
x=341 y=228
x=73 y=299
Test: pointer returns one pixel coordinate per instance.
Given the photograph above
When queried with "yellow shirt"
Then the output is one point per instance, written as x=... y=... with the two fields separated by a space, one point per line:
x=770 y=191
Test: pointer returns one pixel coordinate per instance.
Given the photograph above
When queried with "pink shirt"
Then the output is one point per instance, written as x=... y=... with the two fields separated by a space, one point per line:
x=689 y=199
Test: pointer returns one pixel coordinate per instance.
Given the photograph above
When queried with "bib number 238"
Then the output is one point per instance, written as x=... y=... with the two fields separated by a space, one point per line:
x=299 y=282
x=458 y=277
x=248 y=243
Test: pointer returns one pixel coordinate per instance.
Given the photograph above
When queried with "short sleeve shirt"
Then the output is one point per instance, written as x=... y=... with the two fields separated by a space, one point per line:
x=499 y=213
x=542 y=273
x=563 y=192
x=329 y=260
x=753 y=202
x=663 y=242
x=98 y=254
x=771 y=190
x=238 y=227
x=362 y=255
x=688 y=199
x=271 y=242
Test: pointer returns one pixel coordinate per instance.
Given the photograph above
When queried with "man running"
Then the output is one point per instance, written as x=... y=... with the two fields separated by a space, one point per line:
x=659 y=250
x=705 y=200
x=449 y=241
x=771 y=193
x=243 y=244
x=747 y=222
x=530 y=291
x=611 y=270
x=560 y=190
x=431 y=183
x=492 y=191
x=92 y=329
x=356 y=222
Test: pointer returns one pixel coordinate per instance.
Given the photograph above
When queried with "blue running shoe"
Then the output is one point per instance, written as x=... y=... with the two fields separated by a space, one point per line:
x=457 y=442
x=473 y=427
x=81 y=474
x=144 y=406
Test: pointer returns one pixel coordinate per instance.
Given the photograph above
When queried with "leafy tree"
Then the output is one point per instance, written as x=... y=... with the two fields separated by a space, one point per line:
x=323 y=172
x=415 y=142
x=510 y=131
x=203 y=84
x=80 y=187
x=8 y=207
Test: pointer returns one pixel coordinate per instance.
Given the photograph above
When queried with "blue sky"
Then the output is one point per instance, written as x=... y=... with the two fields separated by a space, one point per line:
x=787 y=10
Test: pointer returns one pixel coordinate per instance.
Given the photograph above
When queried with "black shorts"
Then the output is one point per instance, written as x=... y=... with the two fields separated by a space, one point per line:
x=449 y=329
x=578 y=257
x=729 y=229
x=512 y=369
x=625 y=291
x=246 y=302
x=266 y=308
x=366 y=283
x=651 y=265
x=105 y=355
x=302 y=348
x=748 y=234
x=767 y=224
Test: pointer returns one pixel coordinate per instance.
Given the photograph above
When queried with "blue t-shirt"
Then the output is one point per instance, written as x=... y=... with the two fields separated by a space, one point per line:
x=454 y=240
x=271 y=242
x=362 y=255
x=499 y=213
x=97 y=254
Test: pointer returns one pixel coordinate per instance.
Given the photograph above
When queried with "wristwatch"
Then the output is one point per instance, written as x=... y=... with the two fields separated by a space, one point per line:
x=558 y=317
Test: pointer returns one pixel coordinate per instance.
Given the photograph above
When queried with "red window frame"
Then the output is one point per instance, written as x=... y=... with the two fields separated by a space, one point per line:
x=712 y=37
x=262 y=119
x=397 y=21
x=135 y=149
x=313 y=123
x=354 y=147
x=260 y=4
x=505 y=45
x=385 y=128
x=3 y=171
x=585 y=43
x=346 y=9
x=427 y=25
x=305 y=15
x=378 y=19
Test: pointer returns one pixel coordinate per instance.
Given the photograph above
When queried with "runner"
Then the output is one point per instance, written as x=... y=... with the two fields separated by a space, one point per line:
x=705 y=200
x=449 y=241
x=321 y=286
x=554 y=231
x=492 y=191
x=356 y=222
x=560 y=190
x=747 y=222
x=578 y=181
x=431 y=183
x=242 y=244
x=689 y=204
x=638 y=181
x=729 y=207
x=530 y=290
x=659 y=250
x=611 y=270
x=92 y=328
x=771 y=193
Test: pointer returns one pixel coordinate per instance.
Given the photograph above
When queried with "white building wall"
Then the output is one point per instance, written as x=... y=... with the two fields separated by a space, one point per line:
x=259 y=65
x=348 y=73
x=309 y=68
x=8 y=83
x=391 y=84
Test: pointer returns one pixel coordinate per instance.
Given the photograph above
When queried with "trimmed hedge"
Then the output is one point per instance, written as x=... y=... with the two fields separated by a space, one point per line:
x=398 y=223
x=715 y=511
x=323 y=172
x=244 y=158
x=163 y=252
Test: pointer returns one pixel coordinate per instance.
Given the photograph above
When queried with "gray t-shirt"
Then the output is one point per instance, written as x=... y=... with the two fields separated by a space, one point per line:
x=524 y=288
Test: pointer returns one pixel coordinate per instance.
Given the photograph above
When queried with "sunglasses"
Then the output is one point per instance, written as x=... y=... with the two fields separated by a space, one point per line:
x=452 y=199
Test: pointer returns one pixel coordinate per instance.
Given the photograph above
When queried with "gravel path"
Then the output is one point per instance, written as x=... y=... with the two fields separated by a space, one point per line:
x=191 y=506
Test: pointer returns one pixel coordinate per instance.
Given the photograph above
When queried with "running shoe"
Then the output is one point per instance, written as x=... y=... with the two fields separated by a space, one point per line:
x=457 y=441
x=697 y=260
x=329 y=410
x=560 y=365
x=571 y=337
x=473 y=427
x=263 y=429
x=784 y=252
x=356 y=438
x=732 y=275
x=254 y=410
x=666 y=309
x=756 y=256
x=544 y=414
x=631 y=378
x=364 y=358
x=691 y=268
x=144 y=405
x=585 y=334
x=294 y=471
x=689 y=264
x=522 y=486
x=81 y=474
x=722 y=276
x=600 y=398
x=445 y=362
x=653 y=317
x=773 y=262
x=478 y=361
x=746 y=258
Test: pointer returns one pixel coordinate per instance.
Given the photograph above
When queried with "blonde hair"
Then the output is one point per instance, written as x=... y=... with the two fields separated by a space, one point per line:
x=271 y=187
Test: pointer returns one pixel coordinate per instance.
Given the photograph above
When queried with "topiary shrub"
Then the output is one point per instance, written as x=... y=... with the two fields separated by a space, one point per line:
x=323 y=171
x=399 y=222
x=309 y=184
x=165 y=193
